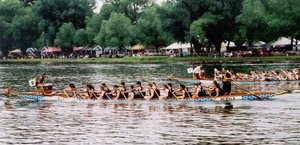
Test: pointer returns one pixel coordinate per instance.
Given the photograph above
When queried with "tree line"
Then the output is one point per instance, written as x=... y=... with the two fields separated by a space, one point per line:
x=121 y=23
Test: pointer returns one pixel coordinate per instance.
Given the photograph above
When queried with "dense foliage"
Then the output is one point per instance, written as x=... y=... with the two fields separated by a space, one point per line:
x=121 y=23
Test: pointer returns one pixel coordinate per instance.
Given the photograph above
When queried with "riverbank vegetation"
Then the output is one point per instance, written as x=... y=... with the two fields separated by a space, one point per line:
x=165 y=59
x=120 y=23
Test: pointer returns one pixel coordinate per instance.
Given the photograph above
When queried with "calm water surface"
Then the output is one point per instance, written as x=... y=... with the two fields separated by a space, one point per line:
x=140 y=122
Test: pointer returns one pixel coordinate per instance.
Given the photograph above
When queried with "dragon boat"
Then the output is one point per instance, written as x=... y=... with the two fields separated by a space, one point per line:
x=209 y=82
x=61 y=97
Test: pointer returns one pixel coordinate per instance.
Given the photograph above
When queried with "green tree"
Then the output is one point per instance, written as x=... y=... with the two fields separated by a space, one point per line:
x=24 y=29
x=284 y=19
x=253 y=20
x=218 y=23
x=116 y=32
x=15 y=25
x=150 y=29
x=81 y=38
x=53 y=13
x=131 y=8
x=8 y=10
x=64 y=38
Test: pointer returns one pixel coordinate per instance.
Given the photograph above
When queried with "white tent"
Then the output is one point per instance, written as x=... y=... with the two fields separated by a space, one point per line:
x=184 y=47
x=282 y=41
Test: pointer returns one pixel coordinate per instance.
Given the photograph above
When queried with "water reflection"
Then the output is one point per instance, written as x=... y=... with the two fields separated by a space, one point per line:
x=142 y=122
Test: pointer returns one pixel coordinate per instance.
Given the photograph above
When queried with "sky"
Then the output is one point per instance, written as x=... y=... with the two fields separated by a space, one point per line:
x=100 y=3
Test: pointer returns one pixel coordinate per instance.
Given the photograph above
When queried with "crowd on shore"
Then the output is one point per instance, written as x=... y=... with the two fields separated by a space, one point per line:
x=240 y=53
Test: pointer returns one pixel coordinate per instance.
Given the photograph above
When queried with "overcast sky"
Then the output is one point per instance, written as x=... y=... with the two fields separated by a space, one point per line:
x=100 y=3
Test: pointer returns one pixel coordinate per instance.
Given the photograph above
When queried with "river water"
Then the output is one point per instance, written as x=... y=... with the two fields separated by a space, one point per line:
x=140 y=122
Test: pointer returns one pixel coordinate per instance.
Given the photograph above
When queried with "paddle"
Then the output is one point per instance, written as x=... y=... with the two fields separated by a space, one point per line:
x=123 y=94
x=66 y=93
x=177 y=81
x=188 y=93
x=257 y=97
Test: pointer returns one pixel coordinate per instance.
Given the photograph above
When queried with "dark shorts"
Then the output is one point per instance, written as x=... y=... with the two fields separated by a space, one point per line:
x=226 y=87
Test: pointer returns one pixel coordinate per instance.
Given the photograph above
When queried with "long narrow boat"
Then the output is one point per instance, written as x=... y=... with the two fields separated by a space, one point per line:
x=209 y=82
x=59 y=97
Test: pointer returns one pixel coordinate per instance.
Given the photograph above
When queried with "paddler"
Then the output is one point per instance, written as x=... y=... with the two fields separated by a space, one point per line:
x=123 y=89
x=116 y=92
x=183 y=92
x=73 y=91
x=140 y=92
x=168 y=92
x=152 y=92
x=105 y=92
x=215 y=90
x=90 y=92
x=131 y=93
x=156 y=89
x=198 y=91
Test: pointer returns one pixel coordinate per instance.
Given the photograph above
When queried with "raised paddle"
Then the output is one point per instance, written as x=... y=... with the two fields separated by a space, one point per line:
x=257 y=97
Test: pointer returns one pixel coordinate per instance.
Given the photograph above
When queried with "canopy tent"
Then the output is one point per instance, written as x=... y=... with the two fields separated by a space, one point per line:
x=52 y=50
x=31 y=50
x=137 y=47
x=282 y=41
x=16 y=51
x=77 y=48
x=175 y=46
x=111 y=49
x=96 y=48
x=225 y=44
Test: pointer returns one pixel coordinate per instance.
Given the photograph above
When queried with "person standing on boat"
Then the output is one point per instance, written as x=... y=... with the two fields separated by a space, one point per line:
x=226 y=81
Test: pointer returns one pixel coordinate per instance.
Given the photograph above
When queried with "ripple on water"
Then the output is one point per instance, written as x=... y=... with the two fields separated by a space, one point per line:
x=140 y=122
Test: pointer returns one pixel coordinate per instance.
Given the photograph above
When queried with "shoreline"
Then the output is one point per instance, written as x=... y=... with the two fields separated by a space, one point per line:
x=166 y=59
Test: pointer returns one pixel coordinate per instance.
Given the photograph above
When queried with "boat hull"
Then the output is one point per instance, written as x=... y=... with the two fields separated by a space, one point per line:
x=234 y=96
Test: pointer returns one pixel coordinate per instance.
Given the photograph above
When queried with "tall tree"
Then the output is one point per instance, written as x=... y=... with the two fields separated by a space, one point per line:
x=64 y=38
x=284 y=19
x=10 y=10
x=218 y=23
x=253 y=20
x=116 y=32
x=81 y=38
x=53 y=13
x=150 y=29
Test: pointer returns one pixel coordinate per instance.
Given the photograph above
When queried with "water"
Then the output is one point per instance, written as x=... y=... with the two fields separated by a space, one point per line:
x=140 y=122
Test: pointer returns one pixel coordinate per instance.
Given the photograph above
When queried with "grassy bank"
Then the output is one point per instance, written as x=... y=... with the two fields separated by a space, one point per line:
x=157 y=59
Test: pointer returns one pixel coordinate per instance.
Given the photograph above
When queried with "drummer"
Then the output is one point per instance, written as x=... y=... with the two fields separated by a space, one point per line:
x=40 y=81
